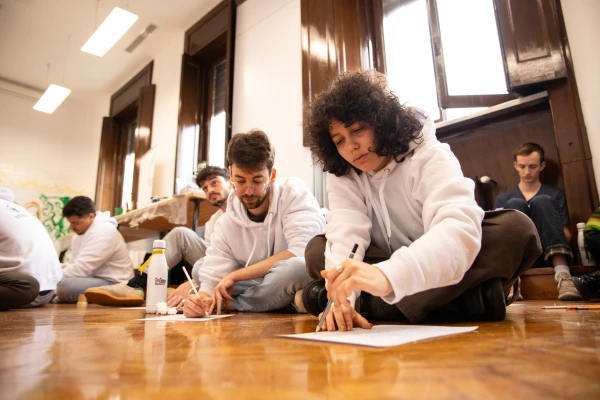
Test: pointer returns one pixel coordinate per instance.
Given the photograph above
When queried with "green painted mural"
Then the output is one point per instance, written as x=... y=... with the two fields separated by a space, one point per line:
x=50 y=213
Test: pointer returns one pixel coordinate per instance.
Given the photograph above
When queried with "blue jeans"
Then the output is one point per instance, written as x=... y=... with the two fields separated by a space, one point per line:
x=69 y=289
x=274 y=291
x=543 y=212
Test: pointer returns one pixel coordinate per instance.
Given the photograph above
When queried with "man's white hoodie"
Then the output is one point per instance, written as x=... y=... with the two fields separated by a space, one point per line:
x=293 y=218
x=421 y=210
x=100 y=252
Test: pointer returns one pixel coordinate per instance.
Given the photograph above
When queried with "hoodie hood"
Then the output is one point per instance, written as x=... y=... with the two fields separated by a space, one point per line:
x=104 y=216
x=379 y=178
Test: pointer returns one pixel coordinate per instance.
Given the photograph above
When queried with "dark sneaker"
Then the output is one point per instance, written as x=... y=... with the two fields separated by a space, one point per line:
x=314 y=297
x=494 y=303
x=587 y=285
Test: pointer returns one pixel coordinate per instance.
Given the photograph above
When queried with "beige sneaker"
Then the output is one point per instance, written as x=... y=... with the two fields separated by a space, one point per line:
x=118 y=294
x=298 y=303
x=566 y=289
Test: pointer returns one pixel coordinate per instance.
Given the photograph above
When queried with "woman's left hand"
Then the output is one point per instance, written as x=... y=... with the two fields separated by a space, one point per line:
x=355 y=275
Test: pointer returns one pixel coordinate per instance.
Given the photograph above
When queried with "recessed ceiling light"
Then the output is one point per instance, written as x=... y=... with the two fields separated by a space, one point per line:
x=51 y=99
x=109 y=32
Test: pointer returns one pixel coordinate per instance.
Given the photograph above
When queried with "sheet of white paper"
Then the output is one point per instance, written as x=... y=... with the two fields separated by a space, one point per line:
x=181 y=317
x=384 y=335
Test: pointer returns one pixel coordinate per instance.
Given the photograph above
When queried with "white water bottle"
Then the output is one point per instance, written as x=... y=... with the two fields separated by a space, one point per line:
x=585 y=259
x=158 y=274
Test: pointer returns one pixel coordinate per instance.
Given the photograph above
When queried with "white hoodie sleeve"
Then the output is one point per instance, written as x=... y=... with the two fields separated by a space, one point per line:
x=219 y=260
x=451 y=222
x=302 y=217
x=348 y=222
x=98 y=248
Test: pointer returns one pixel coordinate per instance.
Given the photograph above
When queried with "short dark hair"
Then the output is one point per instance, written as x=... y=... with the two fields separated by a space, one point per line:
x=360 y=97
x=527 y=148
x=251 y=151
x=80 y=206
x=210 y=172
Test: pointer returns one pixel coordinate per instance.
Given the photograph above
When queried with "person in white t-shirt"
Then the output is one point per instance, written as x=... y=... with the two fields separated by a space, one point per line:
x=29 y=266
x=99 y=255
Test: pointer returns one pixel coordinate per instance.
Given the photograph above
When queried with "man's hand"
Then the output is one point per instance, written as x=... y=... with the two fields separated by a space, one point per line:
x=355 y=275
x=222 y=294
x=175 y=298
x=344 y=318
x=197 y=306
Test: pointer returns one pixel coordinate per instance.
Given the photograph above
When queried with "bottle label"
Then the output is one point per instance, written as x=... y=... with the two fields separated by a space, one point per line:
x=159 y=281
x=158 y=251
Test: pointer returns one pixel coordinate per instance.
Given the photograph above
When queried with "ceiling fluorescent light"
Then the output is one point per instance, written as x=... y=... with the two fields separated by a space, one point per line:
x=111 y=30
x=51 y=99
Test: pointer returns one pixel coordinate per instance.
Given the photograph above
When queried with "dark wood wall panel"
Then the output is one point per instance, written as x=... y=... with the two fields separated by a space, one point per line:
x=487 y=149
x=338 y=36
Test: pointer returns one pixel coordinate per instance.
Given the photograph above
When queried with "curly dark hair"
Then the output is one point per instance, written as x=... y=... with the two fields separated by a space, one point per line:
x=79 y=206
x=210 y=172
x=251 y=151
x=360 y=97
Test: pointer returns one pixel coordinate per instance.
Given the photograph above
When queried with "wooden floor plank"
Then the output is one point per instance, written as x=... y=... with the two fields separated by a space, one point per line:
x=93 y=352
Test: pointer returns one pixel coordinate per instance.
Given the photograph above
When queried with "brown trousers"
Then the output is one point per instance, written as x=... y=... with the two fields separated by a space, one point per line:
x=509 y=246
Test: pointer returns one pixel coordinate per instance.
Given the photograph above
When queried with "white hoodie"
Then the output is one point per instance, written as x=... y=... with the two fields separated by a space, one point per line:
x=25 y=245
x=421 y=210
x=100 y=252
x=293 y=218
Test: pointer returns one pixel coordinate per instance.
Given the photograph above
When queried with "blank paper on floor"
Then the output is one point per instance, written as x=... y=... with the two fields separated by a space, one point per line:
x=384 y=335
x=181 y=317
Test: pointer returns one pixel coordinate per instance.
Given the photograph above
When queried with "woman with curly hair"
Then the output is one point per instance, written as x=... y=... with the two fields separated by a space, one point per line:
x=400 y=195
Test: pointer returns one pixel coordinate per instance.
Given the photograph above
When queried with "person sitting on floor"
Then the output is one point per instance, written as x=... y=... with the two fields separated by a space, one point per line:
x=546 y=207
x=181 y=244
x=424 y=246
x=29 y=266
x=589 y=285
x=255 y=261
x=99 y=255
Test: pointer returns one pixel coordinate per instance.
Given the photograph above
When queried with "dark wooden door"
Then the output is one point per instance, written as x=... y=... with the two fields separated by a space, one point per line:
x=107 y=166
x=143 y=131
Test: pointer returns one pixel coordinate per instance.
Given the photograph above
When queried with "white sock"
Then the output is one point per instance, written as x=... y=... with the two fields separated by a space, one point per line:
x=561 y=268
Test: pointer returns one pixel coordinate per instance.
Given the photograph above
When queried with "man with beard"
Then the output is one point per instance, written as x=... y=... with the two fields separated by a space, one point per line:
x=181 y=244
x=256 y=259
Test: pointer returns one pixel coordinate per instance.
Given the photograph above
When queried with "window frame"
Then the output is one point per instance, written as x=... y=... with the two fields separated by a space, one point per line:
x=445 y=99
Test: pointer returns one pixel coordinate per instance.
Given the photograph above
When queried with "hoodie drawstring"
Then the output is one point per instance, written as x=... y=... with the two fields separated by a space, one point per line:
x=385 y=227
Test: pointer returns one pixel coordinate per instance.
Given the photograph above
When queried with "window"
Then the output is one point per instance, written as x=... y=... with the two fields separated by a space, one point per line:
x=217 y=130
x=444 y=56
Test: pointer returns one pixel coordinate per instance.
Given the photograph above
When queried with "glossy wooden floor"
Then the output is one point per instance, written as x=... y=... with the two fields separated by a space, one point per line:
x=92 y=352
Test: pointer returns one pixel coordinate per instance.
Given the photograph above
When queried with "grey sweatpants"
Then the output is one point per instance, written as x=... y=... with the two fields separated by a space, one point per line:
x=183 y=243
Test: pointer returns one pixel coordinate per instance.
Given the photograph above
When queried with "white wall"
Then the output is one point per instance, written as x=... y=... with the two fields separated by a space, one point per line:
x=55 y=155
x=267 y=86
x=583 y=31
x=166 y=76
